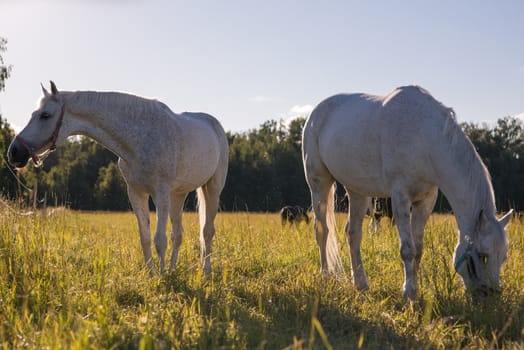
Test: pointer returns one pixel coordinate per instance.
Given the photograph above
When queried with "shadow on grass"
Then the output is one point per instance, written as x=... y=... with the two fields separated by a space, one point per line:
x=273 y=317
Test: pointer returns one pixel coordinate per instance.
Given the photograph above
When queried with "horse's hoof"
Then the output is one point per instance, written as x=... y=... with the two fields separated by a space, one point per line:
x=361 y=284
x=410 y=295
x=361 y=287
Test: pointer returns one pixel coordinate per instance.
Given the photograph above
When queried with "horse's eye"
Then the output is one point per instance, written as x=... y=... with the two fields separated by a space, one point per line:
x=45 y=115
x=483 y=258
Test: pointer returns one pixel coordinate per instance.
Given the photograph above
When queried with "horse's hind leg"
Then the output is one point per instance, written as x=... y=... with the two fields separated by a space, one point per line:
x=139 y=202
x=358 y=205
x=176 y=208
x=321 y=199
x=208 y=200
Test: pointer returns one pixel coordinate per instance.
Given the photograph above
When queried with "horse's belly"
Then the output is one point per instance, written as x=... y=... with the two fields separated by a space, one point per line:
x=181 y=169
x=363 y=177
x=196 y=166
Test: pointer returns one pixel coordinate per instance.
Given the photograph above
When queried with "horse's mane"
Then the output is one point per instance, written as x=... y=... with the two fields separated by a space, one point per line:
x=131 y=105
x=463 y=150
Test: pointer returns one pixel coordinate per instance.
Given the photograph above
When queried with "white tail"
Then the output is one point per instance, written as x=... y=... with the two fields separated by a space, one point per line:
x=201 y=201
x=333 y=257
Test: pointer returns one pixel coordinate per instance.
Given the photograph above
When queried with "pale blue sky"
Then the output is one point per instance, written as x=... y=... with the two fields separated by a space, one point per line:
x=249 y=61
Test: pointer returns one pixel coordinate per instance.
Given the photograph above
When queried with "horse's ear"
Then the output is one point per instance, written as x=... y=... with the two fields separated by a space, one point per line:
x=44 y=91
x=504 y=221
x=54 y=90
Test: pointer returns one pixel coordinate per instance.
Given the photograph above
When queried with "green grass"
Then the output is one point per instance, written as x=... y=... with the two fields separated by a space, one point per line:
x=75 y=280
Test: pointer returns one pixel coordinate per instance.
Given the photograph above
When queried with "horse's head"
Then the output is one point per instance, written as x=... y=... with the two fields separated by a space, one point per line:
x=41 y=133
x=478 y=258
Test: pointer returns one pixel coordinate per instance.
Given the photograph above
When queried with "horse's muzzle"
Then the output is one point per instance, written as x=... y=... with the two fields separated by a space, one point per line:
x=17 y=154
x=482 y=293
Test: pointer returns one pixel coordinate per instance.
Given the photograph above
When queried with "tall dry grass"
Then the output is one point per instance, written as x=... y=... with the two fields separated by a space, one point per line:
x=75 y=280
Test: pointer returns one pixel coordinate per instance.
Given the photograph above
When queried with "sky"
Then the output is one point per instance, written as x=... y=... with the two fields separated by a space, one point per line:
x=246 y=62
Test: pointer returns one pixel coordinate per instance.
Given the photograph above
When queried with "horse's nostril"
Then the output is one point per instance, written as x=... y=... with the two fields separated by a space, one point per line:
x=17 y=156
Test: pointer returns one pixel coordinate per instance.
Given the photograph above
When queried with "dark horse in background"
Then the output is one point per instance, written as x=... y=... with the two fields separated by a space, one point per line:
x=380 y=207
x=293 y=214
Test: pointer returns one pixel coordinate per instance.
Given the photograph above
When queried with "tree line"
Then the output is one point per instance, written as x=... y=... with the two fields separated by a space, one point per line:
x=265 y=170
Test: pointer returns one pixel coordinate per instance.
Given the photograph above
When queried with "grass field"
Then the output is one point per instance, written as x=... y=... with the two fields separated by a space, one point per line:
x=75 y=280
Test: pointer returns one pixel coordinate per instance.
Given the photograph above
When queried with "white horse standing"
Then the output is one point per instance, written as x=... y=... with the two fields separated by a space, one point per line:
x=403 y=145
x=161 y=154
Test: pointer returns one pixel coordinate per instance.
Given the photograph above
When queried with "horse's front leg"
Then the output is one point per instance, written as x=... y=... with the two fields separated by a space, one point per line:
x=162 y=202
x=401 y=212
x=139 y=202
x=357 y=210
x=421 y=211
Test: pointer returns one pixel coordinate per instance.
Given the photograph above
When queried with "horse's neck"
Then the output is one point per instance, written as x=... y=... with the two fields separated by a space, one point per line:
x=103 y=122
x=466 y=184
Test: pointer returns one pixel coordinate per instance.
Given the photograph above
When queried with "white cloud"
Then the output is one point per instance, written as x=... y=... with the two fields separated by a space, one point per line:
x=297 y=111
x=519 y=116
x=301 y=111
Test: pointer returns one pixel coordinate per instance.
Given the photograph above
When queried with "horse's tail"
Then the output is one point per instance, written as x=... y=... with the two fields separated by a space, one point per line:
x=201 y=201
x=333 y=257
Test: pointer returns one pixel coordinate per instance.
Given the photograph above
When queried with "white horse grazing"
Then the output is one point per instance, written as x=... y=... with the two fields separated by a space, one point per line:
x=161 y=154
x=403 y=145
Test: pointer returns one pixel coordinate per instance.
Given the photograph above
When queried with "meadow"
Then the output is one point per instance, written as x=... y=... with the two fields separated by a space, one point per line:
x=74 y=280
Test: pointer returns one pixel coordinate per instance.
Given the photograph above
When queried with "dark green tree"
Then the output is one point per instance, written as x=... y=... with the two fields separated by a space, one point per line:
x=110 y=189
x=502 y=150
x=8 y=186
x=70 y=174
x=5 y=70
x=265 y=168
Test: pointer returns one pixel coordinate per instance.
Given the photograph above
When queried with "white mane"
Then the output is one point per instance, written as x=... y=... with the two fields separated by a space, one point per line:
x=481 y=186
x=131 y=105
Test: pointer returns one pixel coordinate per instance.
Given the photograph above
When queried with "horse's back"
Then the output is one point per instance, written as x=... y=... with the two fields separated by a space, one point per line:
x=203 y=125
x=369 y=142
